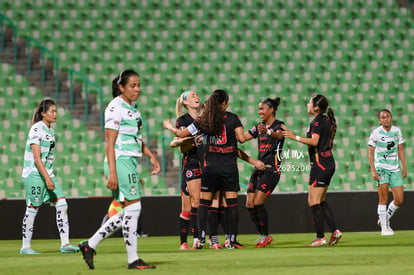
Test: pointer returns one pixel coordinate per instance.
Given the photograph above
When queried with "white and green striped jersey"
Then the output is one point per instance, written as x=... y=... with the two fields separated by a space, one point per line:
x=126 y=119
x=386 y=147
x=43 y=136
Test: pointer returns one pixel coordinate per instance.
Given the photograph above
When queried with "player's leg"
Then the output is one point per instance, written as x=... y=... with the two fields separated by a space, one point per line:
x=397 y=190
x=314 y=198
x=35 y=192
x=202 y=215
x=194 y=187
x=213 y=221
x=184 y=219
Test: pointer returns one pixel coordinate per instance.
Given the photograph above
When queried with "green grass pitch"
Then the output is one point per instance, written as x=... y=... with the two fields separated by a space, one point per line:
x=356 y=253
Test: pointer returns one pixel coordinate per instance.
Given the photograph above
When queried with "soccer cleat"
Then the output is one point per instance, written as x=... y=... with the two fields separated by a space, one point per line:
x=184 y=246
x=28 y=251
x=195 y=242
x=336 y=235
x=233 y=245
x=264 y=241
x=226 y=242
x=140 y=264
x=200 y=243
x=387 y=232
x=68 y=248
x=318 y=242
x=215 y=246
x=88 y=253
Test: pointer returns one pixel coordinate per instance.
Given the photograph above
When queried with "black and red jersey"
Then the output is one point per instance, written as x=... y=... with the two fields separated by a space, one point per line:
x=183 y=122
x=322 y=126
x=222 y=150
x=270 y=149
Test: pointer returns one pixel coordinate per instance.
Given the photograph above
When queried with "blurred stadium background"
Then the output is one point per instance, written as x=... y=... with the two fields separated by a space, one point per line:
x=359 y=53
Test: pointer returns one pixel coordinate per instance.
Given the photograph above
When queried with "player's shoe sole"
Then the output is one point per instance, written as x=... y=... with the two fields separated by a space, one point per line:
x=69 y=249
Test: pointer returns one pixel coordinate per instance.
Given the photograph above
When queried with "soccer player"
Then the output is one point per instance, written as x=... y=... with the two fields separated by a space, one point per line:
x=124 y=145
x=385 y=152
x=40 y=183
x=191 y=171
x=221 y=130
x=319 y=138
x=262 y=183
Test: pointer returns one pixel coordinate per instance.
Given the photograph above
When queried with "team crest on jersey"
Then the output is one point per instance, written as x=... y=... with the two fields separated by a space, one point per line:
x=36 y=199
x=133 y=190
x=189 y=174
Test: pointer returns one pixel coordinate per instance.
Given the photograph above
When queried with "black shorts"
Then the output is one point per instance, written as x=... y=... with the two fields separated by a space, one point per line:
x=217 y=178
x=265 y=181
x=190 y=172
x=321 y=174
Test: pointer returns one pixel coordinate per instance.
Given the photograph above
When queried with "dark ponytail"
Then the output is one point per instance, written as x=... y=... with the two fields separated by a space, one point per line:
x=121 y=79
x=42 y=107
x=323 y=104
x=212 y=117
x=272 y=103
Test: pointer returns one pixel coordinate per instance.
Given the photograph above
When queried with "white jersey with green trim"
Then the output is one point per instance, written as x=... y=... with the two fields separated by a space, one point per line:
x=127 y=121
x=43 y=136
x=386 y=147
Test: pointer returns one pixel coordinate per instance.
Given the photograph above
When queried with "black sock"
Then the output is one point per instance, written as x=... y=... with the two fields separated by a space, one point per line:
x=233 y=210
x=253 y=217
x=223 y=219
x=184 y=224
x=202 y=215
x=328 y=215
x=262 y=218
x=193 y=221
x=318 y=220
x=213 y=222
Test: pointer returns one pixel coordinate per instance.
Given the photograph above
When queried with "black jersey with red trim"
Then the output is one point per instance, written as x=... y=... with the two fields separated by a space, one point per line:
x=222 y=150
x=181 y=123
x=322 y=126
x=269 y=148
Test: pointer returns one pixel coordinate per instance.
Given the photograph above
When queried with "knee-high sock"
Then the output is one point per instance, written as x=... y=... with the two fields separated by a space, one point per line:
x=184 y=224
x=253 y=217
x=62 y=221
x=223 y=220
x=213 y=222
x=129 y=230
x=202 y=215
x=193 y=221
x=328 y=215
x=233 y=208
x=392 y=208
x=318 y=220
x=262 y=218
x=27 y=226
x=382 y=215
x=106 y=230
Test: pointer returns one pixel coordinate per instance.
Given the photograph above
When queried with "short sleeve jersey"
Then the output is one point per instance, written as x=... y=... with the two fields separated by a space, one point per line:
x=386 y=147
x=322 y=126
x=222 y=150
x=127 y=121
x=43 y=136
x=269 y=148
x=183 y=122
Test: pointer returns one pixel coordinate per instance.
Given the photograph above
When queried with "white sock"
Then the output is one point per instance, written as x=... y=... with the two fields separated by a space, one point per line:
x=106 y=230
x=382 y=215
x=62 y=221
x=129 y=230
x=27 y=226
x=392 y=208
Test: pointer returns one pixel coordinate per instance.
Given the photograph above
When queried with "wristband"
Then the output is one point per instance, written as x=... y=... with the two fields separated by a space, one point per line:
x=269 y=132
x=297 y=138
